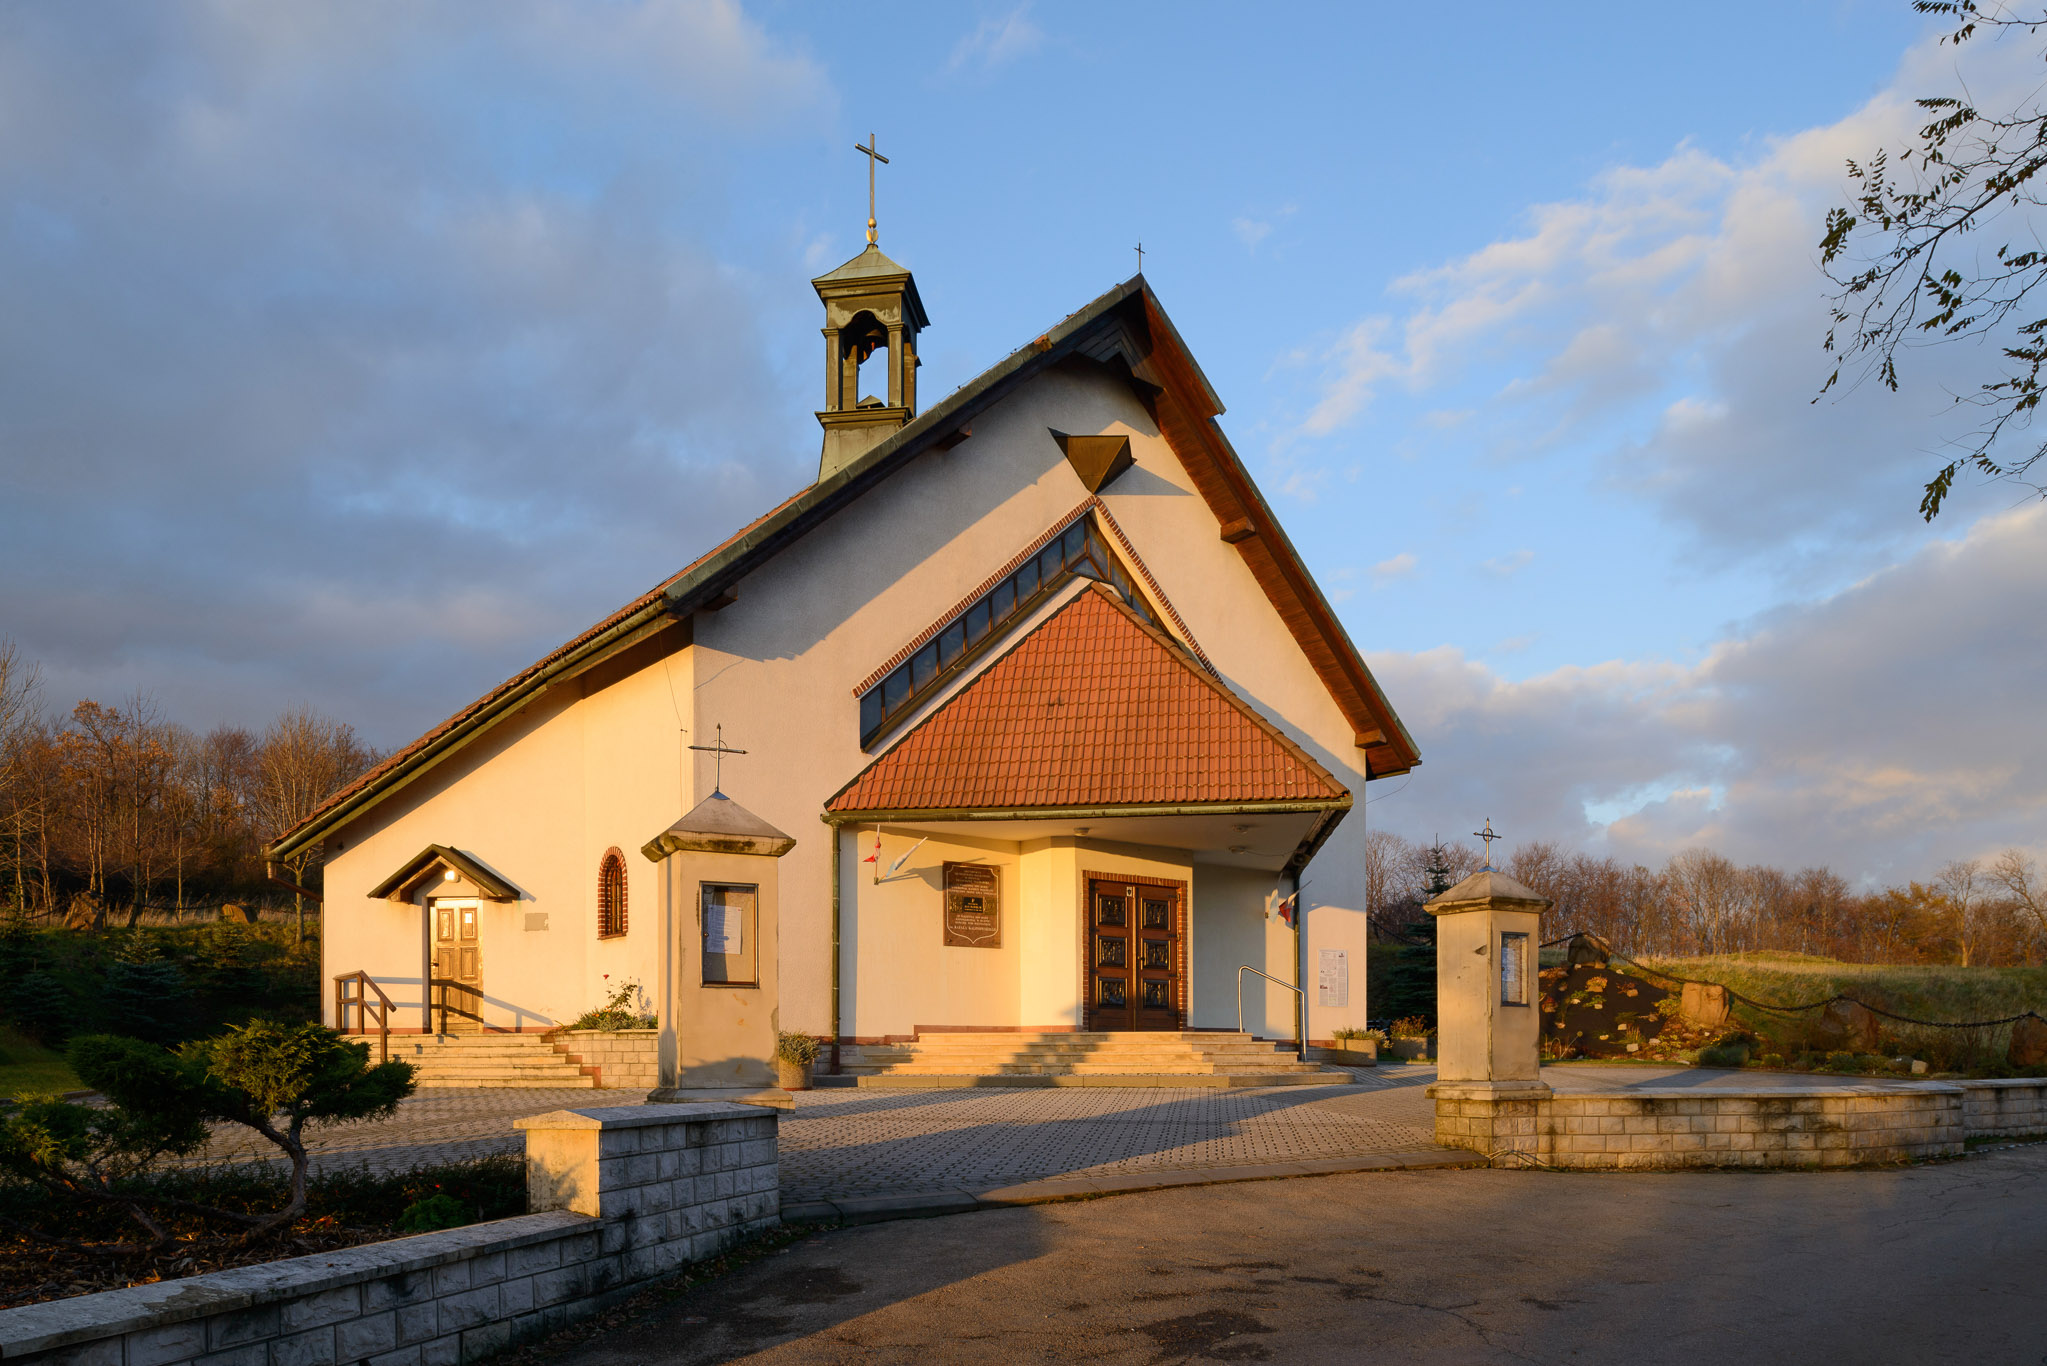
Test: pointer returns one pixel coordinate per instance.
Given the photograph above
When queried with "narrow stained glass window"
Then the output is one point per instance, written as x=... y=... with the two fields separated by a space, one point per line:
x=1079 y=549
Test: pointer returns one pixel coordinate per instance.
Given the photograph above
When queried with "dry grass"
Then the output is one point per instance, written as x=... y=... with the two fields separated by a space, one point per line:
x=1928 y=992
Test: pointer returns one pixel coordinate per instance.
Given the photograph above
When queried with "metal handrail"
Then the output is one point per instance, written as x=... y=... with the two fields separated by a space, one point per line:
x=364 y=985
x=1300 y=1039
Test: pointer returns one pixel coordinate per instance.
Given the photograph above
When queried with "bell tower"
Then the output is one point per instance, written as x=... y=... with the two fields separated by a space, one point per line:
x=870 y=305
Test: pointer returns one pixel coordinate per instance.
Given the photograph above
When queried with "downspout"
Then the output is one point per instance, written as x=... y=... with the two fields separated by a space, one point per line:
x=836 y=830
x=1301 y=960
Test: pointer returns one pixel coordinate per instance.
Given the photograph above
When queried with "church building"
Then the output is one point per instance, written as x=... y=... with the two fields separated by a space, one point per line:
x=1024 y=717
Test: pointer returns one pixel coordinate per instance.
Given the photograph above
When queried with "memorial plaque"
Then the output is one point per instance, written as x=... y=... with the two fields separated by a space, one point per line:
x=973 y=906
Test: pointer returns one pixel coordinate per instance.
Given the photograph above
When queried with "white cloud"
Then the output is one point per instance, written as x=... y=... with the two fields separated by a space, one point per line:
x=309 y=368
x=1882 y=730
x=996 y=40
x=1507 y=566
x=1250 y=231
x=1401 y=566
x=1669 y=321
x=1253 y=231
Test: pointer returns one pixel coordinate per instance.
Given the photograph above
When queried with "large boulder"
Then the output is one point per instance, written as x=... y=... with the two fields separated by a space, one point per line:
x=1704 y=1004
x=2028 y=1043
x=1845 y=1027
x=1585 y=951
x=235 y=915
x=86 y=913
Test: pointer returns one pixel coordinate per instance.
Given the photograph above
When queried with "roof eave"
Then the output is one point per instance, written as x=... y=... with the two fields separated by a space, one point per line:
x=1093 y=812
x=628 y=631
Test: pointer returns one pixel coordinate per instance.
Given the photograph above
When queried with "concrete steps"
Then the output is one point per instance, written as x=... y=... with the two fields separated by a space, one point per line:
x=494 y=1061
x=1042 y=1058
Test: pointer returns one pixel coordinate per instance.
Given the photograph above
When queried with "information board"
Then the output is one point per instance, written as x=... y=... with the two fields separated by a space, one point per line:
x=1333 y=978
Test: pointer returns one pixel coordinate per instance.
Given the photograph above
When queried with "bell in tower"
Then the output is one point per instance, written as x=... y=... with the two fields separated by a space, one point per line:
x=870 y=305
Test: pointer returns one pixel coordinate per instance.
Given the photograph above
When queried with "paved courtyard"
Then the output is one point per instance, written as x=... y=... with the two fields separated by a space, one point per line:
x=853 y=1143
x=1933 y=1263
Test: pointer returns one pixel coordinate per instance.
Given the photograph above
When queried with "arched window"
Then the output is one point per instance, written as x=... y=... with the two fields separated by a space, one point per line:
x=611 y=895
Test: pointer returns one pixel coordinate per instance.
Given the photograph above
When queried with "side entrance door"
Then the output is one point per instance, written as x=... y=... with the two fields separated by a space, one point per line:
x=458 y=969
x=1136 y=967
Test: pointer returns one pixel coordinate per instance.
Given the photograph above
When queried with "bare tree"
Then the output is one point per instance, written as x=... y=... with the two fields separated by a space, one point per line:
x=1708 y=897
x=2014 y=872
x=304 y=757
x=1960 y=883
x=20 y=795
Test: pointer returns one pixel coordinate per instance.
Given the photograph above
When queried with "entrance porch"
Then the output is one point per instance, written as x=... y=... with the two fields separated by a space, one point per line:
x=1092 y=836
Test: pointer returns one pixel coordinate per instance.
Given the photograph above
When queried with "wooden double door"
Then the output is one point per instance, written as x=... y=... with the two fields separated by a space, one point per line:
x=457 y=981
x=1136 y=954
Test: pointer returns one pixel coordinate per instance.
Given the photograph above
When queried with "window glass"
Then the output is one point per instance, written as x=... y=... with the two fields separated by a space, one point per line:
x=729 y=925
x=1513 y=968
x=1079 y=549
x=951 y=641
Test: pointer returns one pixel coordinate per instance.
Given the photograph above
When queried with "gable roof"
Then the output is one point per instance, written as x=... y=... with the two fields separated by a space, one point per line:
x=1125 y=329
x=398 y=886
x=1092 y=708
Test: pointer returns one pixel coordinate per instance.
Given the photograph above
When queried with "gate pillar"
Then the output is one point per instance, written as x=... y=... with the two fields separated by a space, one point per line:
x=720 y=945
x=1489 y=1086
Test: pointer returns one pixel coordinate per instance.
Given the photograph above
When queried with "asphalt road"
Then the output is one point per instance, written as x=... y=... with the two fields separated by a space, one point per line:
x=1937 y=1263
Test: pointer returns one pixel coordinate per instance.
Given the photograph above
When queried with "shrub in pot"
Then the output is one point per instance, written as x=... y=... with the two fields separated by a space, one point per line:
x=1356 y=1047
x=795 y=1054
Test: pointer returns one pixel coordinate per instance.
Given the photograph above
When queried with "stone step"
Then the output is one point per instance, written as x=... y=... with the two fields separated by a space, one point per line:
x=506 y=1083
x=937 y=1081
x=1086 y=1055
x=505 y=1073
x=954 y=1049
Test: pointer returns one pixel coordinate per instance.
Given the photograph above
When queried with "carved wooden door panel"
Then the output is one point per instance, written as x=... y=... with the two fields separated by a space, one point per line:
x=458 y=969
x=1111 y=956
x=1134 y=955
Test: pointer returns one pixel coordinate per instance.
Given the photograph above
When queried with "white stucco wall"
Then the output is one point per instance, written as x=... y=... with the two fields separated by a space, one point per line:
x=584 y=768
x=541 y=800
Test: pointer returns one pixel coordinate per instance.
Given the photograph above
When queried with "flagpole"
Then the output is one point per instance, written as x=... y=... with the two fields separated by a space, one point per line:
x=1301 y=959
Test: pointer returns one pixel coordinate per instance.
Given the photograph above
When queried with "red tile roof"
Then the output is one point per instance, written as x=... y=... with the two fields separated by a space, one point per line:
x=1092 y=708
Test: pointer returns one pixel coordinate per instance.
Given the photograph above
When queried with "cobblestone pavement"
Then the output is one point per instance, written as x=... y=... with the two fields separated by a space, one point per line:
x=434 y=1127
x=874 y=1142
x=851 y=1142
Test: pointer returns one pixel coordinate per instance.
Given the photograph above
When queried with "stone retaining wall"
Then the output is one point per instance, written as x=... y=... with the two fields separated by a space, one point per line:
x=2014 y=1108
x=633 y=1193
x=1527 y=1124
x=621 y=1057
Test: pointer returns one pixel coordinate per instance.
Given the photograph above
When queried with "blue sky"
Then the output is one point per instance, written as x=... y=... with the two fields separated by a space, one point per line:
x=357 y=354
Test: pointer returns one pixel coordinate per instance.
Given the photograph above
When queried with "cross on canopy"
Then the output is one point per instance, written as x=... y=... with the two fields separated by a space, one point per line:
x=872 y=157
x=720 y=749
x=1488 y=835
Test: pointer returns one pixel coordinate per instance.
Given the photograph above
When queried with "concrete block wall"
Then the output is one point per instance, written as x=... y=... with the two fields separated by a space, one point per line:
x=2015 y=1108
x=1765 y=1127
x=636 y=1192
x=624 y=1057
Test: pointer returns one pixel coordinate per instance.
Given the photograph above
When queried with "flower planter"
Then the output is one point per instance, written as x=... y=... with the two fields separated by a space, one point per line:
x=1412 y=1050
x=792 y=1076
x=1363 y=1053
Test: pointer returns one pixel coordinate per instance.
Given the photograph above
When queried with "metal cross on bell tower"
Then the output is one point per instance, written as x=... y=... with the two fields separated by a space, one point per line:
x=872 y=157
x=1488 y=835
x=720 y=749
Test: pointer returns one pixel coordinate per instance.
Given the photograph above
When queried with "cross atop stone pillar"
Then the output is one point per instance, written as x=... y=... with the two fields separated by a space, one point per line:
x=1488 y=1013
